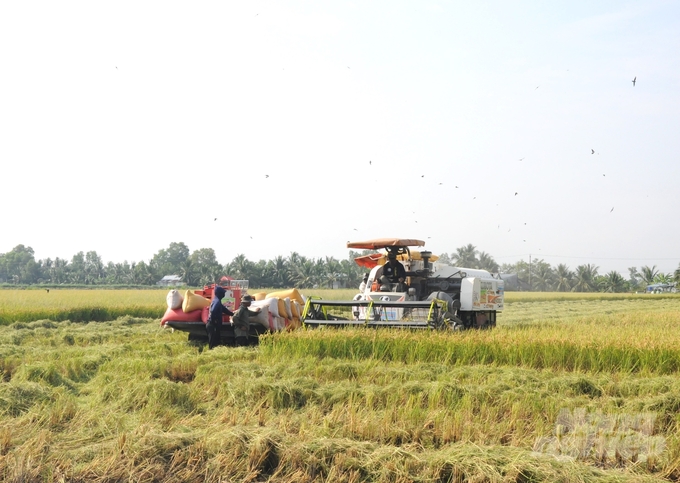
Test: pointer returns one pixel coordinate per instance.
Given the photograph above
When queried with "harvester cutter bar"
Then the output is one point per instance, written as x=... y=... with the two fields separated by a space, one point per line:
x=315 y=313
x=406 y=304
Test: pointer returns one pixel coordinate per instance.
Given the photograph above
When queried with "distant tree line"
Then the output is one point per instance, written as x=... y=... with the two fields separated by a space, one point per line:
x=200 y=267
x=540 y=276
x=197 y=268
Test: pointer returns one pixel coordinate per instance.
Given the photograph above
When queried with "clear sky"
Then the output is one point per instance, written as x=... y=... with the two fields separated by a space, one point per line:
x=300 y=125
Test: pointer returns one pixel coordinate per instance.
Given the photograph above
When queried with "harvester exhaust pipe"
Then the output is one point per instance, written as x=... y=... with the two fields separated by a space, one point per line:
x=426 y=259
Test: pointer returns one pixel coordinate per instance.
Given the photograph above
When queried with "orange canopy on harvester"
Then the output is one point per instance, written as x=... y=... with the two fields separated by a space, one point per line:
x=379 y=243
x=369 y=261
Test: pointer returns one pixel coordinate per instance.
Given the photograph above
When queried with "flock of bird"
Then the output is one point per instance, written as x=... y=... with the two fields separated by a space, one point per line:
x=370 y=163
x=592 y=151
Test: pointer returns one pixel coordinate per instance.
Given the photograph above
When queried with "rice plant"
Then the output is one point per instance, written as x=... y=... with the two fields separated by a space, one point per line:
x=575 y=391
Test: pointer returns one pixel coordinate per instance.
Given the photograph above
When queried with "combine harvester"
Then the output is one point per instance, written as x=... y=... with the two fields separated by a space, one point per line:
x=433 y=295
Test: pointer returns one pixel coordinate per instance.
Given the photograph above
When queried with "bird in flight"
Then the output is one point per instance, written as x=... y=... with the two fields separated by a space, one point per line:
x=370 y=162
x=611 y=209
x=592 y=151
x=266 y=176
x=215 y=219
x=521 y=159
x=515 y=193
x=634 y=79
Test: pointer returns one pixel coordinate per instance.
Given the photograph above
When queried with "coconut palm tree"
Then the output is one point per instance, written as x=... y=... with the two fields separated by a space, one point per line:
x=584 y=279
x=542 y=276
x=663 y=278
x=143 y=274
x=58 y=269
x=352 y=272
x=188 y=270
x=46 y=268
x=465 y=256
x=119 y=272
x=258 y=275
x=332 y=271
x=648 y=274
x=613 y=282
x=304 y=274
x=93 y=268
x=204 y=267
x=486 y=262
x=445 y=259
x=240 y=267
x=278 y=270
x=563 y=278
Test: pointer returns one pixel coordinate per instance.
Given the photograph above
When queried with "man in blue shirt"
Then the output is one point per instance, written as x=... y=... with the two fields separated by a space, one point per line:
x=217 y=310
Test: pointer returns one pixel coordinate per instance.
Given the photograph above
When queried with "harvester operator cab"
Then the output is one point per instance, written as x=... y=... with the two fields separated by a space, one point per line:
x=393 y=278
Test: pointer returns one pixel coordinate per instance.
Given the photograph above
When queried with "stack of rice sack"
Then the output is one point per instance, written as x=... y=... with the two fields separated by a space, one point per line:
x=264 y=316
x=187 y=308
x=285 y=308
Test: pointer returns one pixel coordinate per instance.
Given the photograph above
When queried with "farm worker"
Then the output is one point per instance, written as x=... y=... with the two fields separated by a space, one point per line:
x=214 y=325
x=362 y=285
x=240 y=320
x=393 y=269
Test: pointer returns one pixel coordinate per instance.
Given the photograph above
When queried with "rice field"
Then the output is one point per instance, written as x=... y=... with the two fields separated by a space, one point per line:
x=566 y=388
x=103 y=305
x=79 y=305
